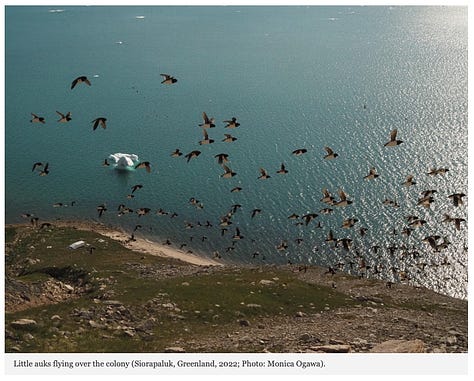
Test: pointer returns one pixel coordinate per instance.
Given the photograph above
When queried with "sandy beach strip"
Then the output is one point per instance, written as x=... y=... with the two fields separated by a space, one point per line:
x=141 y=245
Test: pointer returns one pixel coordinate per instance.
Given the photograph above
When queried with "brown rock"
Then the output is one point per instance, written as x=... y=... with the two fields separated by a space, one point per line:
x=400 y=346
x=24 y=323
x=332 y=348
x=174 y=350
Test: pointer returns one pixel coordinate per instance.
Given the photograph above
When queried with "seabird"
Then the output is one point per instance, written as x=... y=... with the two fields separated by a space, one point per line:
x=101 y=209
x=143 y=211
x=299 y=151
x=344 y=201
x=81 y=79
x=168 y=79
x=263 y=174
x=176 y=153
x=208 y=123
x=35 y=165
x=309 y=217
x=255 y=212
x=192 y=154
x=457 y=198
x=237 y=234
x=417 y=223
x=136 y=187
x=330 y=154
x=326 y=211
x=327 y=199
x=393 y=139
x=37 y=119
x=64 y=118
x=409 y=181
x=206 y=139
x=232 y=123
x=144 y=164
x=236 y=189
x=45 y=170
x=222 y=158
x=425 y=201
x=229 y=138
x=105 y=163
x=348 y=223
x=294 y=216
x=372 y=174
x=228 y=172
x=282 y=170
x=101 y=121
x=283 y=245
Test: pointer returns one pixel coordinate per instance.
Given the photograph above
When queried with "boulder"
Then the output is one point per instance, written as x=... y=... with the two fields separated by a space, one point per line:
x=24 y=324
x=400 y=346
x=332 y=348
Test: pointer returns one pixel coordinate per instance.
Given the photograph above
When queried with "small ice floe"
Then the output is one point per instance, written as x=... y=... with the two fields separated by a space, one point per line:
x=124 y=161
x=56 y=10
x=140 y=17
x=332 y=18
x=119 y=42
x=96 y=76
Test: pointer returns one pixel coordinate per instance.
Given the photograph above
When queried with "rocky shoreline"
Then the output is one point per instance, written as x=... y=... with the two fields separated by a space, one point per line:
x=273 y=310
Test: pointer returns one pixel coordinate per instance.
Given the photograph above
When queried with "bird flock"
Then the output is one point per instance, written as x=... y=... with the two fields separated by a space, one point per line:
x=349 y=258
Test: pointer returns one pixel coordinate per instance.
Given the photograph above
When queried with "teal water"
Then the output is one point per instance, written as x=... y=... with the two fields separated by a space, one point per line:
x=295 y=77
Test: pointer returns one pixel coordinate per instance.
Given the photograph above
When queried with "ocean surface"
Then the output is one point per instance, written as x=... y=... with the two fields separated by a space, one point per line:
x=294 y=77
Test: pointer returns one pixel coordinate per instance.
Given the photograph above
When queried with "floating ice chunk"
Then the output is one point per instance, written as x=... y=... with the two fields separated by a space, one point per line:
x=56 y=10
x=140 y=17
x=96 y=75
x=119 y=42
x=124 y=160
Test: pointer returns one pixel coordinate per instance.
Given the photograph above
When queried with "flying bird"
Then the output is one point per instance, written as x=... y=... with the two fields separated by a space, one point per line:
x=176 y=153
x=168 y=79
x=232 y=123
x=282 y=170
x=208 y=123
x=409 y=181
x=37 y=119
x=98 y=121
x=222 y=158
x=229 y=138
x=299 y=151
x=344 y=201
x=236 y=189
x=263 y=174
x=255 y=212
x=372 y=174
x=144 y=164
x=81 y=79
x=228 y=172
x=136 y=187
x=206 y=139
x=330 y=154
x=192 y=154
x=393 y=139
x=457 y=198
x=45 y=170
x=64 y=118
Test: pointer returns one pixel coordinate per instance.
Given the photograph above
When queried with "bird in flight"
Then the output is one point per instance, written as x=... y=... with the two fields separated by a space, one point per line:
x=192 y=154
x=282 y=170
x=144 y=164
x=330 y=154
x=372 y=174
x=232 y=123
x=393 y=139
x=263 y=174
x=229 y=138
x=168 y=79
x=299 y=151
x=81 y=79
x=64 y=118
x=228 y=172
x=206 y=139
x=208 y=123
x=97 y=121
x=176 y=153
x=37 y=119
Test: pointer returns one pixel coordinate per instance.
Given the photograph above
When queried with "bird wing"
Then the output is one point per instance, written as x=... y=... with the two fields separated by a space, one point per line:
x=204 y=116
x=329 y=150
x=61 y=115
x=342 y=195
x=74 y=83
x=393 y=134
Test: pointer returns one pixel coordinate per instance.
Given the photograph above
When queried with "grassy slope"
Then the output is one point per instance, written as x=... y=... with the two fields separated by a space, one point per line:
x=205 y=302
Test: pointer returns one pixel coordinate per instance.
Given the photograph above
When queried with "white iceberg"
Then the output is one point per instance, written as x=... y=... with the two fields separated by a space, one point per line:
x=124 y=160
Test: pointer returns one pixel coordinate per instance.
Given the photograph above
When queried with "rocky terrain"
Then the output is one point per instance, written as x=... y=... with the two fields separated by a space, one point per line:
x=118 y=300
